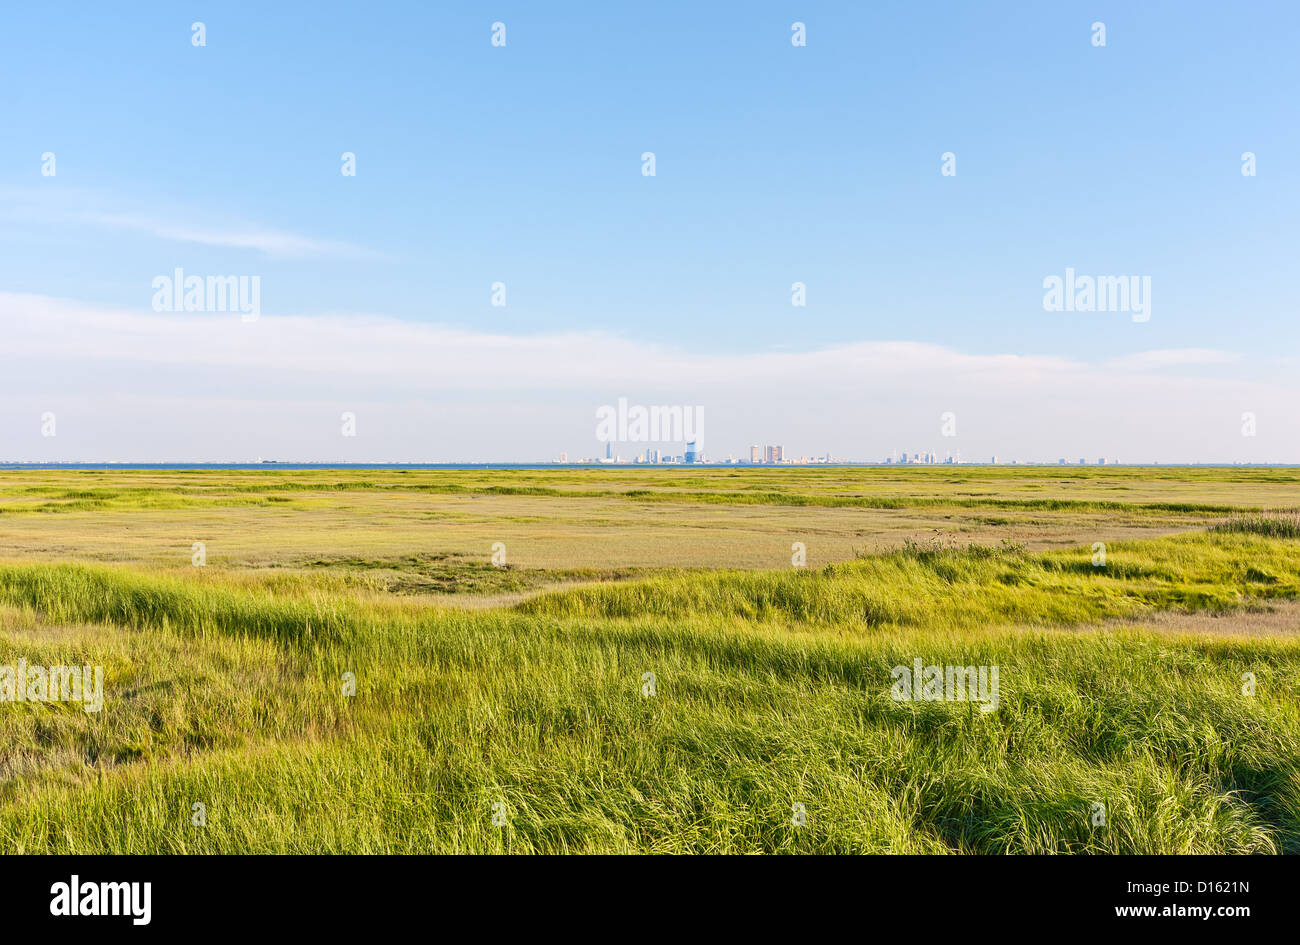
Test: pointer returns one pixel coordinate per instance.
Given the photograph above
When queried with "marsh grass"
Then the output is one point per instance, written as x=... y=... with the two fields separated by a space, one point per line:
x=862 y=488
x=772 y=689
x=928 y=585
x=1268 y=524
x=431 y=573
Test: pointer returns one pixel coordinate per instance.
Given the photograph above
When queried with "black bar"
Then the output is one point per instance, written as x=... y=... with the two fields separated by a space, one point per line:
x=332 y=895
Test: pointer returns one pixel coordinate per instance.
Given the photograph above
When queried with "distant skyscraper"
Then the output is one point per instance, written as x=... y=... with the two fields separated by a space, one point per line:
x=755 y=454
x=776 y=454
x=691 y=453
x=609 y=450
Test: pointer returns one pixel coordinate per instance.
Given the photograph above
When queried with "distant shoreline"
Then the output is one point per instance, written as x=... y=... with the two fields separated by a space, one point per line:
x=163 y=467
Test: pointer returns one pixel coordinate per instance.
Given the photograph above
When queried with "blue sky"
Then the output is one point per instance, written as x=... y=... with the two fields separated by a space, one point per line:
x=775 y=164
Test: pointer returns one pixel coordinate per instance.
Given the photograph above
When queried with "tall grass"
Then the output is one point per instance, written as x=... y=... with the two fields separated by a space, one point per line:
x=86 y=593
x=772 y=689
x=918 y=587
x=1269 y=524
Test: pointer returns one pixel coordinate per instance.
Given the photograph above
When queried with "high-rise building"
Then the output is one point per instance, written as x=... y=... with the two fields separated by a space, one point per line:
x=609 y=450
x=776 y=454
x=691 y=453
x=755 y=454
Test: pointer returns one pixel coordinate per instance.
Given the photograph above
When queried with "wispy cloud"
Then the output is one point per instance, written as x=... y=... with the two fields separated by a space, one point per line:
x=274 y=243
x=32 y=208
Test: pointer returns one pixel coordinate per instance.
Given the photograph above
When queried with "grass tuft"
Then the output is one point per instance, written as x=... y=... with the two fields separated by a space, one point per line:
x=1269 y=524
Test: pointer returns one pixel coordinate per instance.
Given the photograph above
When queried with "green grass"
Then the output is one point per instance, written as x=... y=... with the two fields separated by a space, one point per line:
x=773 y=688
x=1179 y=491
x=1283 y=525
x=90 y=500
x=919 y=502
x=950 y=588
x=592 y=521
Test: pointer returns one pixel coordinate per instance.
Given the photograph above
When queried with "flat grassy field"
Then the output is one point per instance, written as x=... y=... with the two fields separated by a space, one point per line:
x=341 y=665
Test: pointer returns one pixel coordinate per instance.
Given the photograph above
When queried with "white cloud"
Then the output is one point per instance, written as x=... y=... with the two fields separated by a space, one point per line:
x=1175 y=357
x=131 y=384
